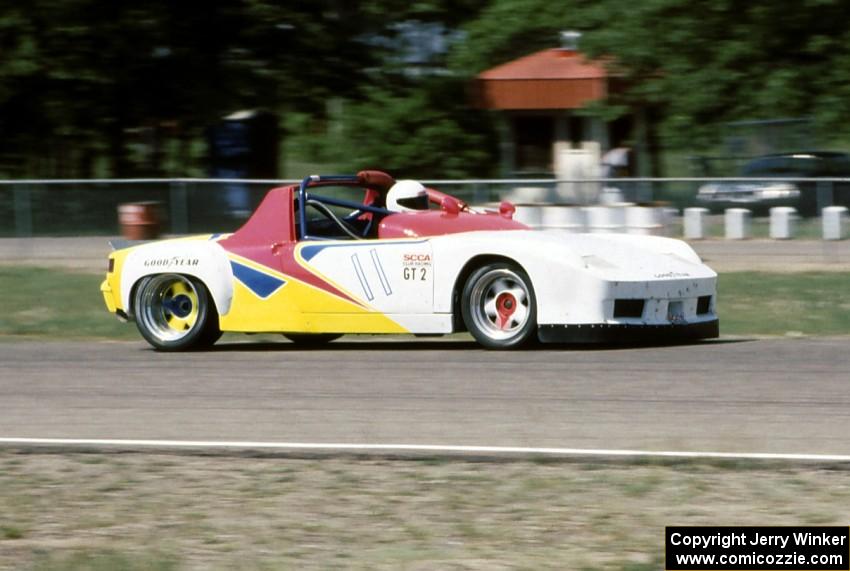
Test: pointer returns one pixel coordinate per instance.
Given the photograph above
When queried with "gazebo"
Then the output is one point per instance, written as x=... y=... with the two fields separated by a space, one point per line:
x=537 y=96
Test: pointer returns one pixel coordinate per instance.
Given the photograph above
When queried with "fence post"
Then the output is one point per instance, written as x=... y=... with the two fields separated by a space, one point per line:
x=824 y=195
x=646 y=192
x=179 y=207
x=22 y=197
x=480 y=194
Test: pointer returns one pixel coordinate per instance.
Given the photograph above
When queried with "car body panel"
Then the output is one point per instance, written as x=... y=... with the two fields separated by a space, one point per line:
x=197 y=256
x=436 y=223
x=577 y=277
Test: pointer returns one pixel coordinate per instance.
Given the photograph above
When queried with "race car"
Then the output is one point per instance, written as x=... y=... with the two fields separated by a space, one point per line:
x=367 y=254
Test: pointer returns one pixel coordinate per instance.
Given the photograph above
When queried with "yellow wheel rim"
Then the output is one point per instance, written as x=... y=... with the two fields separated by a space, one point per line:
x=169 y=307
x=180 y=306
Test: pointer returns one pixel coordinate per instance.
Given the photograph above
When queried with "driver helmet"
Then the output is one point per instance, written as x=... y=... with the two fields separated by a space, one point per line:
x=407 y=196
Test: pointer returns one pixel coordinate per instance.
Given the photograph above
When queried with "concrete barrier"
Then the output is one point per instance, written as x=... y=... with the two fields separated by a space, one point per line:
x=783 y=222
x=644 y=221
x=623 y=218
x=605 y=219
x=565 y=218
x=696 y=223
x=530 y=214
x=737 y=223
x=834 y=220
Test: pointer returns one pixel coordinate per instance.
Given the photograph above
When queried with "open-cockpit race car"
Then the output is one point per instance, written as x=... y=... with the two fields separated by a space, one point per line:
x=367 y=254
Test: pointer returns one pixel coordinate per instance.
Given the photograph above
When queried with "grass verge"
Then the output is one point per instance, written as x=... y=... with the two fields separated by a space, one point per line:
x=811 y=303
x=163 y=512
x=805 y=228
x=59 y=303
x=62 y=303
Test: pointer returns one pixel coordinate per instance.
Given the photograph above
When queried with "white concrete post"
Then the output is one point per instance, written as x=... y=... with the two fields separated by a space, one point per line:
x=834 y=220
x=529 y=214
x=783 y=222
x=605 y=219
x=565 y=218
x=696 y=223
x=644 y=221
x=737 y=221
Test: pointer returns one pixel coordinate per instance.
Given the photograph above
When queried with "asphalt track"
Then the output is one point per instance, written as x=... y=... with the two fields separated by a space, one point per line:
x=782 y=395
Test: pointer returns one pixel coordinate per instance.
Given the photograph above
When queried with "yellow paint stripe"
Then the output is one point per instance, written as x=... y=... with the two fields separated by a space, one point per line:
x=282 y=312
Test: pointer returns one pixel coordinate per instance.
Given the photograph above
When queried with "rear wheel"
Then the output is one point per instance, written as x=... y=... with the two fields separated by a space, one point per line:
x=498 y=306
x=175 y=313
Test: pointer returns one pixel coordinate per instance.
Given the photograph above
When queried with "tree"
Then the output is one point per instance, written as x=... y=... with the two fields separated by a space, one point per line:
x=700 y=62
x=78 y=76
x=425 y=131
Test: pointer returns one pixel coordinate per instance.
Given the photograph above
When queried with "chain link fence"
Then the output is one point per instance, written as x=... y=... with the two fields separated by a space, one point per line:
x=90 y=207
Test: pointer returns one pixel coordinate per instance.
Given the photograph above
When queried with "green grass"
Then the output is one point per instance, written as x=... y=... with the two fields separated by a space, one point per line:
x=56 y=303
x=62 y=303
x=103 y=561
x=217 y=513
x=811 y=303
x=806 y=228
x=11 y=532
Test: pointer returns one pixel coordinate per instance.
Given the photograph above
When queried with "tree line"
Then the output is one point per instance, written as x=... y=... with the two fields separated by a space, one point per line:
x=114 y=88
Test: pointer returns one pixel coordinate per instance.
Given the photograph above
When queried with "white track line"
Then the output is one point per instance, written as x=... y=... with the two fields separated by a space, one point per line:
x=436 y=448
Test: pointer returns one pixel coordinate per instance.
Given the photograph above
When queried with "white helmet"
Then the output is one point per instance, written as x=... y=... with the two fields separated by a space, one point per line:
x=407 y=196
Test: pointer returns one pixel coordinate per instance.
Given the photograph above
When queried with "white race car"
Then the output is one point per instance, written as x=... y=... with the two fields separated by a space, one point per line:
x=317 y=266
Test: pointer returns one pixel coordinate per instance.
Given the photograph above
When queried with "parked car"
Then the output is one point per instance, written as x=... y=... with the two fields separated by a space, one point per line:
x=313 y=266
x=760 y=196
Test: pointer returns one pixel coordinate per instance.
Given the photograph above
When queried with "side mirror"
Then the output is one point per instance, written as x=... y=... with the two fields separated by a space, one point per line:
x=450 y=206
x=507 y=210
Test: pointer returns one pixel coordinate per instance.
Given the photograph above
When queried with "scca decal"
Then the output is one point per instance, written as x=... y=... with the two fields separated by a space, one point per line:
x=416 y=259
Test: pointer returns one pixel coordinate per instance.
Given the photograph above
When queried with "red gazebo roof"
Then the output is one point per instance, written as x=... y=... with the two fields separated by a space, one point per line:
x=550 y=79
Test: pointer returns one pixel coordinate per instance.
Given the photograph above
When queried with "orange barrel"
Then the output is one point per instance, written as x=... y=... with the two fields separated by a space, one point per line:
x=139 y=220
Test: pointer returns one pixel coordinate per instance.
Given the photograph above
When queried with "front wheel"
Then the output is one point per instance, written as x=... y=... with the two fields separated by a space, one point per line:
x=175 y=313
x=499 y=307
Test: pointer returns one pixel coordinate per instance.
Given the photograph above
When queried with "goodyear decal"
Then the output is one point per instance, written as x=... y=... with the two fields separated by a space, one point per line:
x=260 y=283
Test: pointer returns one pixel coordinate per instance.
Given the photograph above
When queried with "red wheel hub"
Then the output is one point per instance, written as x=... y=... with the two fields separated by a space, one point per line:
x=505 y=308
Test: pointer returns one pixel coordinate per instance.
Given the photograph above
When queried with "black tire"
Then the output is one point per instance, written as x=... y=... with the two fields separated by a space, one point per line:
x=312 y=339
x=174 y=312
x=499 y=307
